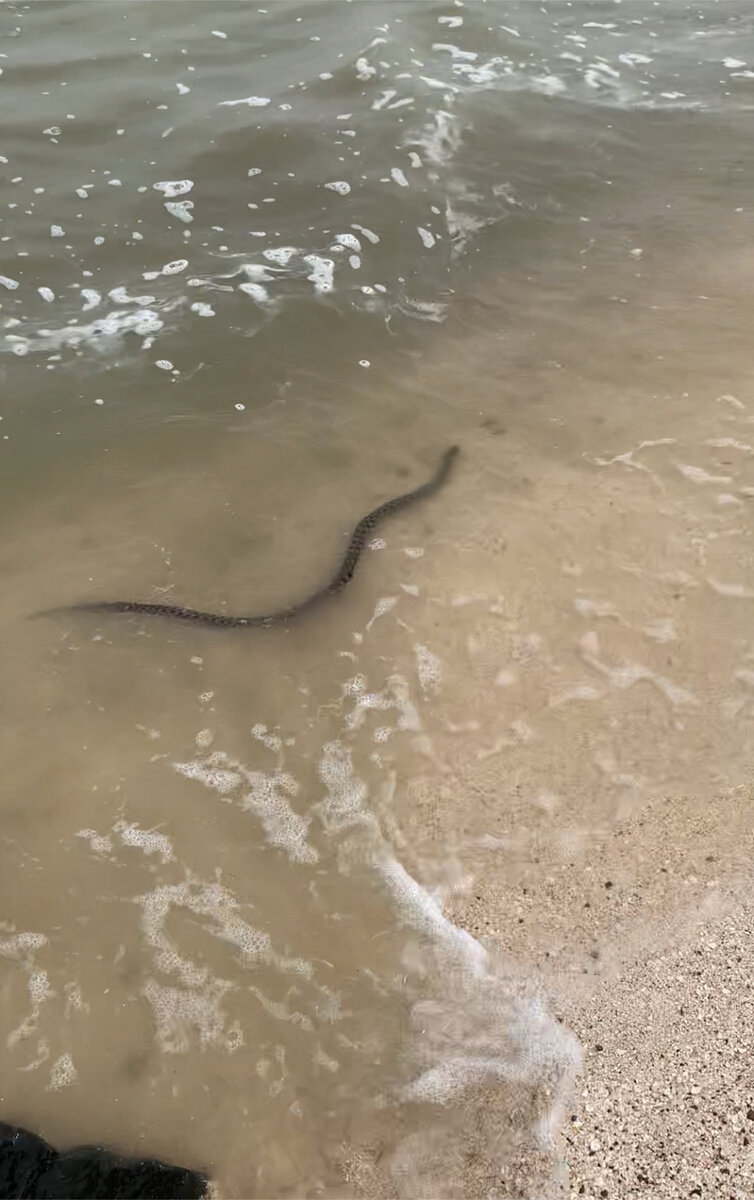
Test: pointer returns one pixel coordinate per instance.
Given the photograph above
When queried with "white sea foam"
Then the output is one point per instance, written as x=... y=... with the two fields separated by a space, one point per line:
x=256 y=291
x=428 y=668
x=101 y=844
x=98 y=335
x=145 y=839
x=192 y=1007
x=62 y=1074
x=173 y=187
x=21 y=947
x=181 y=209
x=322 y=273
x=284 y=828
x=281 y=255
x=472 y=1028
x=250 y=101
x=213 y=773
x=268 y=796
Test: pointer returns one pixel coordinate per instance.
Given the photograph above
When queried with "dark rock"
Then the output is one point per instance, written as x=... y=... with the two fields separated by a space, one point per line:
x=30 y=1169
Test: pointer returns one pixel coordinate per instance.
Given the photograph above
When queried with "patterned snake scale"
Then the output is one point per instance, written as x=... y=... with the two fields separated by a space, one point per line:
x=342 y=576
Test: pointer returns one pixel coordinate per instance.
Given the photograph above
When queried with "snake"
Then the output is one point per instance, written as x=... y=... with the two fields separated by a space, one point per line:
x=343 y=575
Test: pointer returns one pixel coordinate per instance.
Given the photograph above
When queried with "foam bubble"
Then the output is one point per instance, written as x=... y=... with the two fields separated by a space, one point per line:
x=251 y=101
x=444 y=1083
x=121 y=296
x=344 y=803
x=340 y=186
x=63 y=1073
x=74 y=1001
x=207 y=900
x=441 y=137
x=212 y=774
x=281 y=255
x=98 y=844
x=428 y=668
x=256 y=291
x=113 y=325
x=178 y=1011
x=348 y=240
x=272 y=741
x=21 y=946
x=394 y=695
x=193 y=1006
x=369 y=234
x=364 y=70
x=173 y=187
x=284 y=827
x=383 y=606
x=146 y=840
x=322 y=272
x=257 y=272
x=420 y=910
x=39 y=987
x=180 y=209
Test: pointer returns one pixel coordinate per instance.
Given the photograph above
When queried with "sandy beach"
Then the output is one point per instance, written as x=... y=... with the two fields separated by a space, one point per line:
x=665 y=1106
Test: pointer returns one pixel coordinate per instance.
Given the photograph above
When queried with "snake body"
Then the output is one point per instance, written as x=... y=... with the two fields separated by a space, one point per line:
x=342 y=576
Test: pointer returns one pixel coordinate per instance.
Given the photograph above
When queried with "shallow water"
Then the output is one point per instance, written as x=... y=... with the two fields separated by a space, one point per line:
x=229 y=856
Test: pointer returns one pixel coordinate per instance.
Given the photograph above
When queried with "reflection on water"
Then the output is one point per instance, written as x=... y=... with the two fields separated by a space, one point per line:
x=231 y=858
